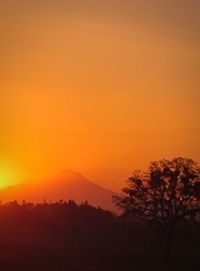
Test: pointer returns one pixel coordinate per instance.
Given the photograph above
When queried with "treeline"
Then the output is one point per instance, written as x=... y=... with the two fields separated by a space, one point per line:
x=67 y=236
x=50 y=223
x=60 y=209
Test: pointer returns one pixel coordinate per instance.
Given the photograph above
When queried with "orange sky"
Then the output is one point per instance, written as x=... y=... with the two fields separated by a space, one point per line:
x=100 y=87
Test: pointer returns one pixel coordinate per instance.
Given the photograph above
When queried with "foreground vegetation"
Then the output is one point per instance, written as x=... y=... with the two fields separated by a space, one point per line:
x=64 y=236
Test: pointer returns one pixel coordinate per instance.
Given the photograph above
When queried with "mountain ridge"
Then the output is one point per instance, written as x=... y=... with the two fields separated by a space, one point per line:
x=65 y=185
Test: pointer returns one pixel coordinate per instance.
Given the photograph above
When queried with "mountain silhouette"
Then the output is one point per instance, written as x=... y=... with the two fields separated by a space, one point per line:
x=63 y=186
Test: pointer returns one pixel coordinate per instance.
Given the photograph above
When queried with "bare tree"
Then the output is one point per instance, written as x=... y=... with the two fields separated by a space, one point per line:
x=167 y=193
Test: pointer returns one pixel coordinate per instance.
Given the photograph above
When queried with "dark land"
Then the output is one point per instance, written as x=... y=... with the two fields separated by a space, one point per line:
x=62 y=236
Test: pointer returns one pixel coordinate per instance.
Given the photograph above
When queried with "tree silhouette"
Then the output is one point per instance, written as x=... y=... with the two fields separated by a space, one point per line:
x=166 y=194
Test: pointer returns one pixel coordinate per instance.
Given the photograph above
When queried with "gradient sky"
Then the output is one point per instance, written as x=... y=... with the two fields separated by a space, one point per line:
x=100 y=87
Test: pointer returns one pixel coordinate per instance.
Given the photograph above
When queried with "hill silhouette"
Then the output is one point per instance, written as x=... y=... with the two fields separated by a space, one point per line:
x=65 y=185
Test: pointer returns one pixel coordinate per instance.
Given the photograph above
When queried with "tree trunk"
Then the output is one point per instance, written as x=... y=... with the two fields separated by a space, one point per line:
x=169 y=246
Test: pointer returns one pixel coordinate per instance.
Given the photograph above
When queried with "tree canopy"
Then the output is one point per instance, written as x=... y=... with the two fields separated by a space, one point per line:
x=168 y=192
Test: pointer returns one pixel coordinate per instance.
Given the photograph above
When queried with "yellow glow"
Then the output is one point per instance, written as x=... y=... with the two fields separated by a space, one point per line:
x=9 y=175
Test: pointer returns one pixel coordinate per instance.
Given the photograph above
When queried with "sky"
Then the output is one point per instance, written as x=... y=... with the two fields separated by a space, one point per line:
x=99 y=87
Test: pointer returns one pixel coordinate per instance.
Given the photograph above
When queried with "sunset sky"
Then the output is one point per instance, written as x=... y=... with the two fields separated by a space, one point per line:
x=99 y=87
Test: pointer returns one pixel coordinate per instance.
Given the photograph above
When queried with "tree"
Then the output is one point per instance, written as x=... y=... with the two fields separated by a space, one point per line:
x=166 y=194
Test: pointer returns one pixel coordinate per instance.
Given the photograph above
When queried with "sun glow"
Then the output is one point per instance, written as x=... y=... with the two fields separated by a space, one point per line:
x=9 y=175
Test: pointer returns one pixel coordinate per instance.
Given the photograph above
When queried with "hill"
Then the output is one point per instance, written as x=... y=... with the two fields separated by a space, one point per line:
x=65 y=185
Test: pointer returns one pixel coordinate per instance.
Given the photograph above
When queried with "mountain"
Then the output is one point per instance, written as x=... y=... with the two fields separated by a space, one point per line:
x=66 y=185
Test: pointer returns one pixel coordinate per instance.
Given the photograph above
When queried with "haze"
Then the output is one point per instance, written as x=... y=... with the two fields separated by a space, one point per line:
x=100 y=87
